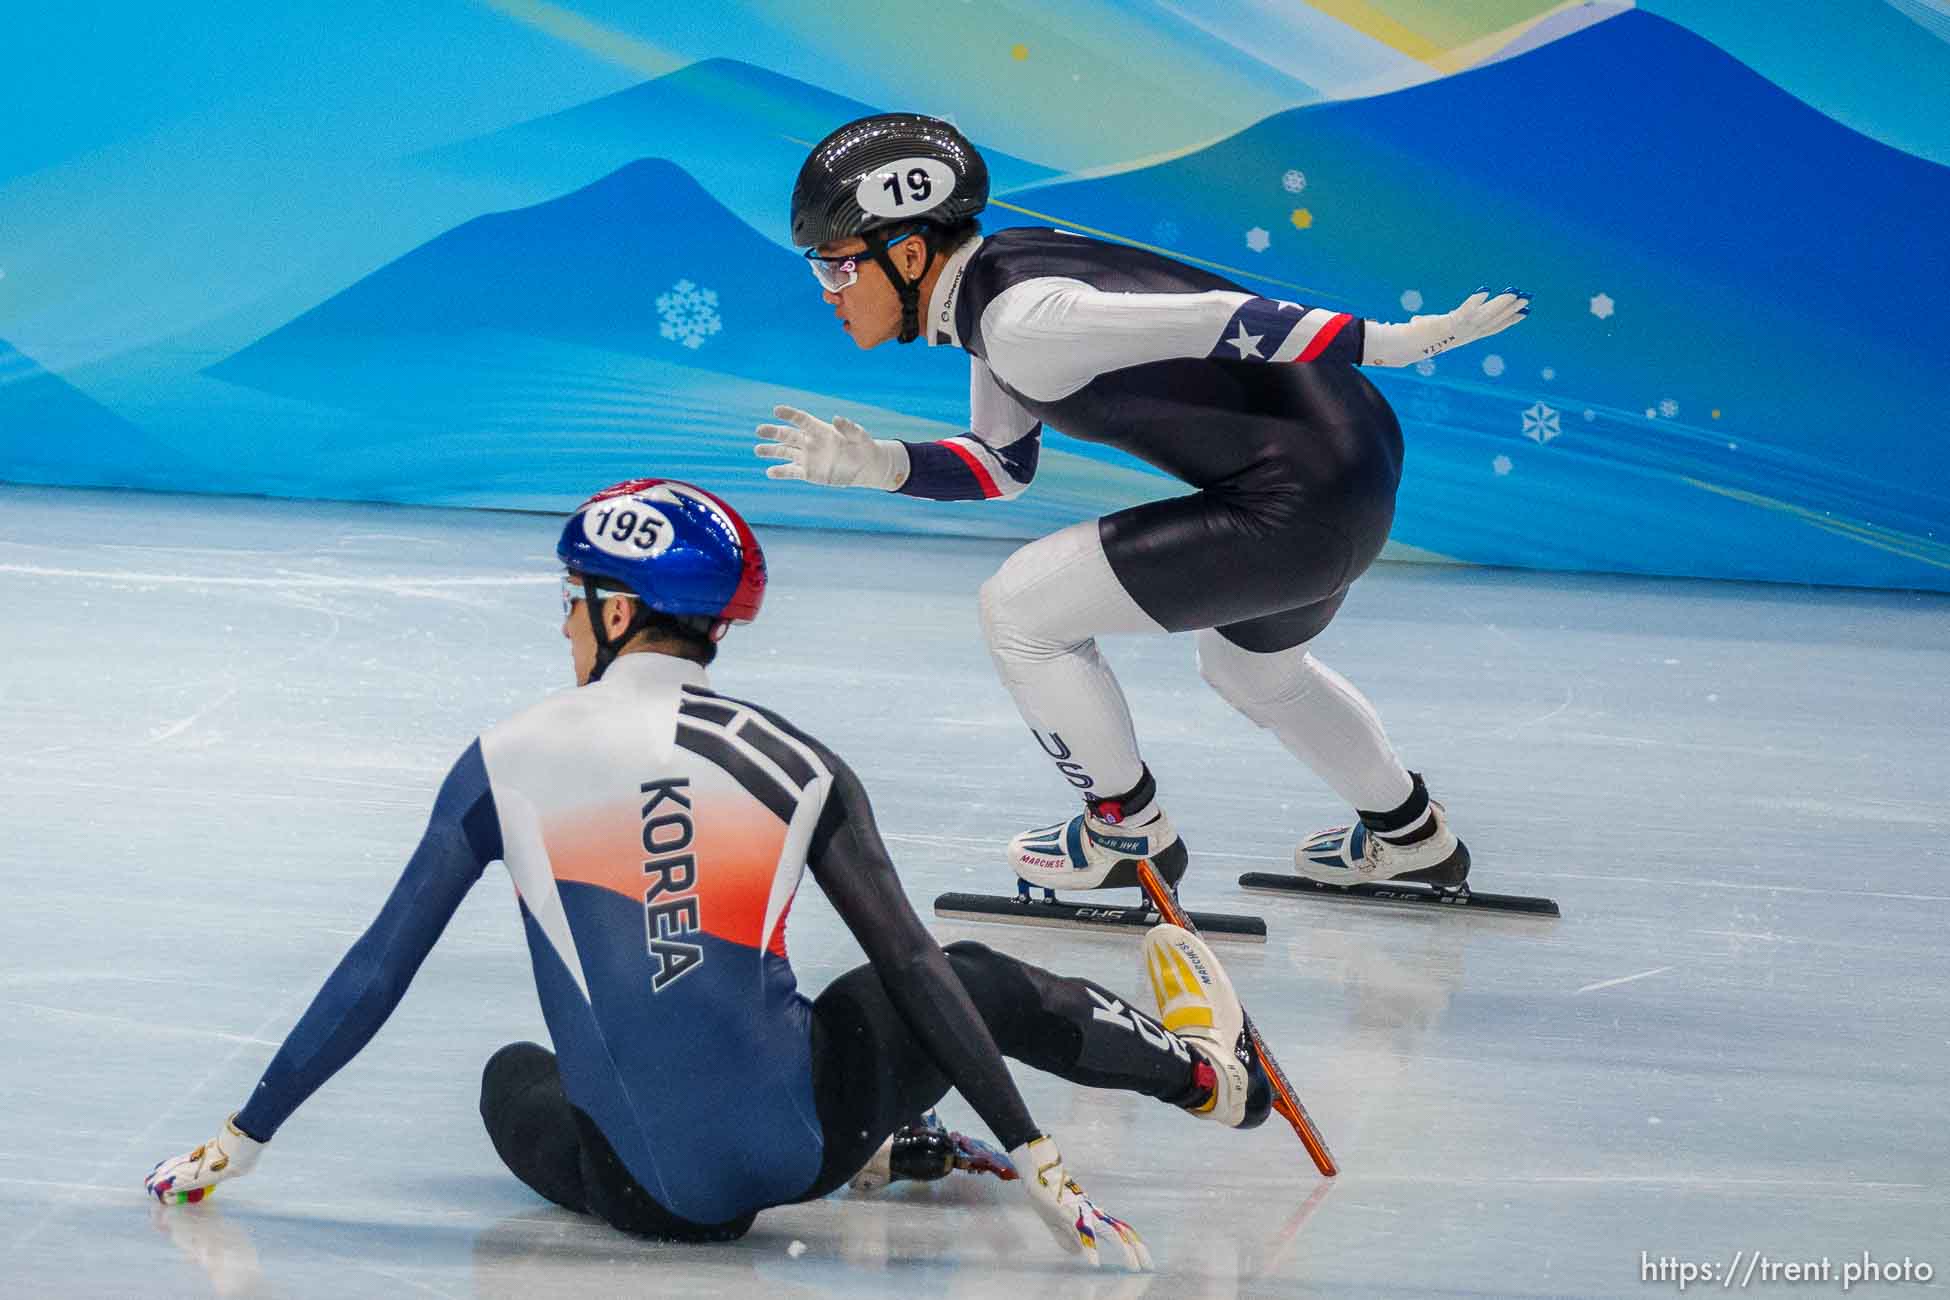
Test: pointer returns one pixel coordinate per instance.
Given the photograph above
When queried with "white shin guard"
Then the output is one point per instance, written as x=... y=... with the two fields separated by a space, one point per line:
x=1041 y=613
x=1317 y=714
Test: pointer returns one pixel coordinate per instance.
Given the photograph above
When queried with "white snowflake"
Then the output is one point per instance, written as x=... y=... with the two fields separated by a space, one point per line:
x=1541 y=423
x=1425 y=367
x=690 y=314
x=1492 y=365
x=1294 y=181
x=1412 y=300
x=1258 y=240
x=1165 y=232
x=1602 y=306
x=1668 y=407
x=1651 y=412
x=1548 y=372
x=1590 y=414
x=1501 y=465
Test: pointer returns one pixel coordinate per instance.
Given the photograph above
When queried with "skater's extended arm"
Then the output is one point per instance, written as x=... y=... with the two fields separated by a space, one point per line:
x=1049 y=336
x=851 y=864
x=993 y=461
x=462 y=837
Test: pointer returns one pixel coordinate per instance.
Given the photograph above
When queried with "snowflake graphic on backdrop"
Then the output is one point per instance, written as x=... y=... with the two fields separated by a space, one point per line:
x=690 y=314
x=1542 y=423
x=1411 y=300
x=1602 y=306
x=1501 y=465
x=1425 y=367
x=1165 y=232
x=1294 y=181
x=1258 y=240
x=1668 y=407
x=1492 y=365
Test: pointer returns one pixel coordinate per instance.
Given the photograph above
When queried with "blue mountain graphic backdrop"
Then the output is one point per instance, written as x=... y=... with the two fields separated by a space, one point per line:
x=1734 y=366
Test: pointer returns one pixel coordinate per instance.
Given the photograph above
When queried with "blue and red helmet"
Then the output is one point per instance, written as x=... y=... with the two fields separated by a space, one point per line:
x=679 y=549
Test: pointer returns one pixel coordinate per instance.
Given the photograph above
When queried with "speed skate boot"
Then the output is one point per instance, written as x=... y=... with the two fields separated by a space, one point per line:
x=1413 y=842
x=925 y=1151
x=1100 y=847
x=1195 y=1001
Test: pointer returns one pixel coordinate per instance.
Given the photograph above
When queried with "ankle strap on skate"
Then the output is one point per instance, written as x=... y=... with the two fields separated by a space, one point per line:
x=1115 y=809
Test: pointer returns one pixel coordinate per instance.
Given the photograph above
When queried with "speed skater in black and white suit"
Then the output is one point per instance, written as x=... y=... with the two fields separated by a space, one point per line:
x=1255 y=402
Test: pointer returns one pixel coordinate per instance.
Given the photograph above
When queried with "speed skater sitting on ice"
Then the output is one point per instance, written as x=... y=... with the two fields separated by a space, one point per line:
x=656 y=832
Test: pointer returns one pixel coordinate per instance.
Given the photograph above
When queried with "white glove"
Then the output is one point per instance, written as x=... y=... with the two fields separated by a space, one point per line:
x=188 y=1178
x=841 y=453
x=1073 y=1219
x=1479 y=317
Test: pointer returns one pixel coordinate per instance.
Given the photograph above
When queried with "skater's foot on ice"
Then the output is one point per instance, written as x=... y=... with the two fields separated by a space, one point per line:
x=1412 y=842
x=1100 y=847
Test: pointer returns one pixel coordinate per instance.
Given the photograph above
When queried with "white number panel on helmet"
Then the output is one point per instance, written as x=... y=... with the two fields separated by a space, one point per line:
x=630 y=528
x=910 y=187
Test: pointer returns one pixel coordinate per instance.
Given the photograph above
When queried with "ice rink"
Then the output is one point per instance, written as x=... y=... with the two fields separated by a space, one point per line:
x=223 y=722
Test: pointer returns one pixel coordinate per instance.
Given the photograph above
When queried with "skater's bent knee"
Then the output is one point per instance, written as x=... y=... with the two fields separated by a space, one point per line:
x=513 y=1068
x=1245 y=679
x=1012 y=627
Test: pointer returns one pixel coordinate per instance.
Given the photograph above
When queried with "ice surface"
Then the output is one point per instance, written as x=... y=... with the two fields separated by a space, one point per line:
x=221 y=723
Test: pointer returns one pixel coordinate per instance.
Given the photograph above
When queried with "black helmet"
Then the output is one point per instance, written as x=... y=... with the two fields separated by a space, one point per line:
x=890 y=170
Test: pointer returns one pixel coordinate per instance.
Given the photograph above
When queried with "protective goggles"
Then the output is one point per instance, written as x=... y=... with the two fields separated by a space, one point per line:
x=842 y=271
x=572 y=591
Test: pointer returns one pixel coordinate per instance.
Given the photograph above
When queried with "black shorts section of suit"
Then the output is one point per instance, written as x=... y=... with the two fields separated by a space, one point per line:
x=1266 y=554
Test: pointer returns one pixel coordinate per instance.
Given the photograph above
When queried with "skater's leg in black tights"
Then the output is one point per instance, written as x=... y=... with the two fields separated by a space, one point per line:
x=1072 y=1028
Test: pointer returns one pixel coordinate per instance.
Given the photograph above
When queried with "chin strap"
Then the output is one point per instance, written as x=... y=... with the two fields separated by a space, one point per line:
x=606 y=649
x=909 y=290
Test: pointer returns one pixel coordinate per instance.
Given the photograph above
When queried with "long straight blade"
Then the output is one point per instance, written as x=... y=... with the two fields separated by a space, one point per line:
x=1285 y=1100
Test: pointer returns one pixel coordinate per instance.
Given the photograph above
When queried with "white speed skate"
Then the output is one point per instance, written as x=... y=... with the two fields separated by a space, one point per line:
x=1417 y=846
x=1091 y=851
x=1196 y=1001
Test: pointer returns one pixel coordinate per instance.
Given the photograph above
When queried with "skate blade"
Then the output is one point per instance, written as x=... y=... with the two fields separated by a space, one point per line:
x=1139 y=917
x=1410 y=895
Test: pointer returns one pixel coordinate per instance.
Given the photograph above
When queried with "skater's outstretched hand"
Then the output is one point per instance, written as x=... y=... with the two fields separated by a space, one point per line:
x=840 y=454
x=189 y=1178
x=1073 y=1218
x=1480 y=316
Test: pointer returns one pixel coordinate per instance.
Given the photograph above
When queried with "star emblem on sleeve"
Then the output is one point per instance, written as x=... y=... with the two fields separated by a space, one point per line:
x=1248 y=344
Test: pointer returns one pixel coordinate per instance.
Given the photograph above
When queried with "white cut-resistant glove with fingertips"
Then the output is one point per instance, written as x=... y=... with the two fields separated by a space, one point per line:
x=840 y=454
x=189 y=1178
x=1073 y=1218
x=1423 y=336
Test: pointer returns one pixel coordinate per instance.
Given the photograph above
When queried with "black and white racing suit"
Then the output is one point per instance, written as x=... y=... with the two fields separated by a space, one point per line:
x=1254 y=402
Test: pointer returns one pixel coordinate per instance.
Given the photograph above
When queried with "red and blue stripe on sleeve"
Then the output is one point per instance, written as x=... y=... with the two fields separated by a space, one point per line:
x=968 y=468
x=1267 y=329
